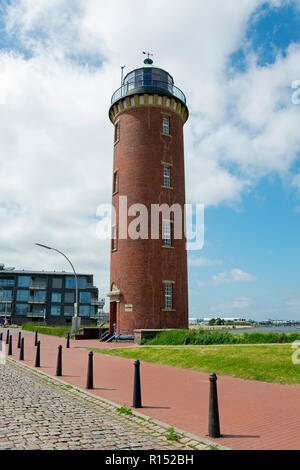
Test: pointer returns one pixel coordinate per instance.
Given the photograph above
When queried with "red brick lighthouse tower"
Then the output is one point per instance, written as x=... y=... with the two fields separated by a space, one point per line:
x=148 y=280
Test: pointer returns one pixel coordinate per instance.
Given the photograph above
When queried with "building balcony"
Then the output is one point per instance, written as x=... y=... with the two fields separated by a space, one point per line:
x=5 y=301
x=35 y=314
x=37 y=285
x=148 y=86
x=33 y=300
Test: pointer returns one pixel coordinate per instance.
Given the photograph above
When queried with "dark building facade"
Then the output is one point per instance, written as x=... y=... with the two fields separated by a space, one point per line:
x=148 y=285
x=47 y=296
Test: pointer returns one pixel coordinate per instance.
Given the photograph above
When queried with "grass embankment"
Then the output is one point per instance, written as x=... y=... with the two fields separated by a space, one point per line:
x=60 y=331
x=202 y=337
x=264 y=363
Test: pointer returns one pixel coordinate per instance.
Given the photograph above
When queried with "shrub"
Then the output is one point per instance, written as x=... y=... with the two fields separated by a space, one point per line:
x=206 y=337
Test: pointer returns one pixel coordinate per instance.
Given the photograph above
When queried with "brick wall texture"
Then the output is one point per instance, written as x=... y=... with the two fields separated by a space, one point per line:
x=139 y=267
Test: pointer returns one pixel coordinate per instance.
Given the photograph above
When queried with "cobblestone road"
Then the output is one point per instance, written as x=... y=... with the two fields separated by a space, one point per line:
x=40 y=413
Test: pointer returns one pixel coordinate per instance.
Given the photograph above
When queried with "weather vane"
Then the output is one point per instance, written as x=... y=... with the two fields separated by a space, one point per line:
x=148 y=60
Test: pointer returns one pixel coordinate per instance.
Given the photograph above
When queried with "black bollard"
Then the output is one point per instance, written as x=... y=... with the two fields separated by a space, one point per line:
x=19 y=340
x=7 y=337
x=1 y=339
x=10 y=346
x=36 y=338
x=59 y=362
x=37 y=355
x=21 y=357
x=137 y=400
x=213 y=420
x=89 y=379
x=68 y=341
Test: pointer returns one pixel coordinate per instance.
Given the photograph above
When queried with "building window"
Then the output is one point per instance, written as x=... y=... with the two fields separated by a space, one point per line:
x=85 y=297
x=69 y=298
x=82 y=283
x=57 y=283
x=56 y=297
x=55 y=310
x=167 y=233
x=23 y=295
x=39 y=296
x=167 y=176
x=5 y=294
x=168 y=291
x=21 y=309
x=70 y=282
x=114 y=238
x=116 y=182
x=7 y=282
x=166 y=125
x=68 y=311
x=5 y=308
x=23 y=281
x=117 y=132
x=84 y=310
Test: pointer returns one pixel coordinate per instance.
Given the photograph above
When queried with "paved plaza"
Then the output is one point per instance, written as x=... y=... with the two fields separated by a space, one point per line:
x=41 y=414
x=253 y=414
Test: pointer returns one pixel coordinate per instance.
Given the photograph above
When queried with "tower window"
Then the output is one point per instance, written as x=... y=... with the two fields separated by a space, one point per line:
x=167 y=176
x=117 y=131
x=167 y=233
x=166 y=125
x=116 y=182
x=114 y=238
x=168 y=293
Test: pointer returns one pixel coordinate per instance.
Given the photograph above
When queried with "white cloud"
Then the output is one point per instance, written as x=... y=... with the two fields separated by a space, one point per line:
x=56 y=139
x=293 y=304
x=199 y=262
x=235 y=275
x=238 y=303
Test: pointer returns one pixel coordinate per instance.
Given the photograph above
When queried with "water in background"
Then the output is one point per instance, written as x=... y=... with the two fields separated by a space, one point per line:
x=267 y=329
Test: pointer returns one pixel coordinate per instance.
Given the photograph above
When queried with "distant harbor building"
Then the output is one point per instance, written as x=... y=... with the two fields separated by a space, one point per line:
x=233 y=319
x=47 y=296
x=148 y=277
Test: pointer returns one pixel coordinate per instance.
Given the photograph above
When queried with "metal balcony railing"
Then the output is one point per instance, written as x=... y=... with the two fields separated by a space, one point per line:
x=148 y=86
x=34 y=300
x=37 y=285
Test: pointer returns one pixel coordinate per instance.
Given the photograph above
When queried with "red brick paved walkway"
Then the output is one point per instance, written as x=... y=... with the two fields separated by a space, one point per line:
x=253 y=415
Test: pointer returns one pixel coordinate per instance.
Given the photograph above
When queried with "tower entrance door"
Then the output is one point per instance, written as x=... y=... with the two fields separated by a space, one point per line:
x=113 y=317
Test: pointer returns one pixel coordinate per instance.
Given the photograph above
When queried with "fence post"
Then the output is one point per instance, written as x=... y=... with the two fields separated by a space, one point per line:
x=38 y=355
x=89 y=379
x=21 y=357
x=213 y=420
x=10 y=346
x=59 y=362
x=137 y=400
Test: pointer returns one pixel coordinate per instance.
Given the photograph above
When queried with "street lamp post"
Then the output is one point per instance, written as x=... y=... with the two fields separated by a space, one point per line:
x=76 y=319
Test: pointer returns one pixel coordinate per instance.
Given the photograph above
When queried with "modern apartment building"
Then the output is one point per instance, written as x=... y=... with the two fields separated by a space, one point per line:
x=47 y=296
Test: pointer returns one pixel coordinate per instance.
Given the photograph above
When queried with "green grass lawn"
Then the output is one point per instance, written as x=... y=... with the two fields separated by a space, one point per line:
x=264 y=363
x=60 y=331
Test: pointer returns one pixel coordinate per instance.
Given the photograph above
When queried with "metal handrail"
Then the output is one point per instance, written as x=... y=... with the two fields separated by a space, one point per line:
x=159 y=86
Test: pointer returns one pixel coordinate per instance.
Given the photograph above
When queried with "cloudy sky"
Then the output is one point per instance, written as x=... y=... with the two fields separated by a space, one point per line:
x=236 y=61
